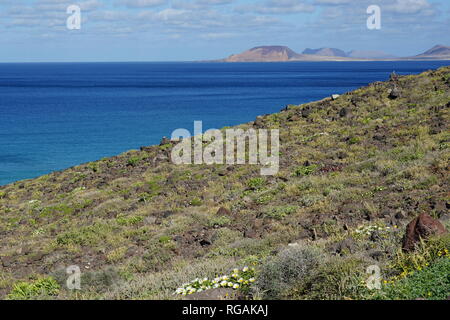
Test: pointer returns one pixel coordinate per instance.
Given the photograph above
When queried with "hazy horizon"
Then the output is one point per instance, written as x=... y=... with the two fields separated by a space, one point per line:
x=183 y=31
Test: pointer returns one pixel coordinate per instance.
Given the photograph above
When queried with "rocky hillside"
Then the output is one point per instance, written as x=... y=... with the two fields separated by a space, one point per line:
x=354 y=170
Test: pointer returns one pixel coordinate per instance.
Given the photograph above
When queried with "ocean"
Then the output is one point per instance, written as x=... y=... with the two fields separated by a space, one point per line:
x=57 y=115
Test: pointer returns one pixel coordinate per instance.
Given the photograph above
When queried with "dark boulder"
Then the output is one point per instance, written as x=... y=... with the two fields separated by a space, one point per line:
x=147 y=148
x=205 y=242
x=400 y=215
x=224 y=212
x=259 y=122
x=164 y=141
x=286 y=108
x=394 y=93
x=306 y=112
x=375 y=254
x=421 y=227
x=343 y=247
x=343 y=112
x=250 y=233
x=293 y=117
x=160 y=158
x=334 y=96
x=7 y=262
x=393 y=77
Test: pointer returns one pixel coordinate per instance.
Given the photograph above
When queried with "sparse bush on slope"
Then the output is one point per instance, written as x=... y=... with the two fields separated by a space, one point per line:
x=283 y=271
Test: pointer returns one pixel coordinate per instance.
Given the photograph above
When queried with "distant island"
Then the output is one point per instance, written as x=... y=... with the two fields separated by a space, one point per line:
x=285 y=54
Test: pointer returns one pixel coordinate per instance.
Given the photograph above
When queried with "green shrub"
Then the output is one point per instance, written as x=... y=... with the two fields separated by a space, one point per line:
x=87 y=235
x=32 y=290
x=93 y=166
x=256 y=183
x=165 y=146
x=406 y=263
x=128 y=221
x=219 y=221
x=154 y=185
x=335 y=279
x=91 y=281
x=196 y=202
x=281 y=212
x=427 y=182
x=133 y=161
x=158 y=255
x=432 y=283
x=264 y=198
x=62 y=209
x=410 y=155
x=165 y=239
x=100 y=280
x=282 y=272
x=354 y=140
x=116 y=254
x=145 y=197
x=305 y=170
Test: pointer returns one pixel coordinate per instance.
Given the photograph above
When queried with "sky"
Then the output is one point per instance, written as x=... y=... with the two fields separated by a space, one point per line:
x=186 y=30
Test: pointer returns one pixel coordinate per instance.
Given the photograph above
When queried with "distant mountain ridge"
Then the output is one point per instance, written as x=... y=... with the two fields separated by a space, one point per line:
x=436 y=51
x=277 y=53
x=359 y=54
x=363 y=54
x=330 y=52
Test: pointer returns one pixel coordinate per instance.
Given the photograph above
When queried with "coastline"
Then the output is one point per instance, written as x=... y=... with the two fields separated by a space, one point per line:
x=80 y=163
x=359 y=165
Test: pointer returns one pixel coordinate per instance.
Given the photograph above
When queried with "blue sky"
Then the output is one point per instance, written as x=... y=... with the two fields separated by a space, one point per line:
x=182 y=30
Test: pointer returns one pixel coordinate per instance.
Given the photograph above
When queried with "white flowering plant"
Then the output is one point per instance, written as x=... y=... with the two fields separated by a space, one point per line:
x=368 y=230
x=239 y=279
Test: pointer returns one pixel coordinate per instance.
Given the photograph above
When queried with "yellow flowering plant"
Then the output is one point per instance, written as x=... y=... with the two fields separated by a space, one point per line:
x=408 y=263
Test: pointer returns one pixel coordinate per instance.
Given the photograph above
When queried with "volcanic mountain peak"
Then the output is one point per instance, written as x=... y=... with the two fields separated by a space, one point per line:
x=438 y=50
x=264 y=54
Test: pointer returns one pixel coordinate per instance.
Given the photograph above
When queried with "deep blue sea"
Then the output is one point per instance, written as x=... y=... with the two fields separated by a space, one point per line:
x=57 y=115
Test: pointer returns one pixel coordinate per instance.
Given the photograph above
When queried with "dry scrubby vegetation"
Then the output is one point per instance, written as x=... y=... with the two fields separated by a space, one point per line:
x=353 y=172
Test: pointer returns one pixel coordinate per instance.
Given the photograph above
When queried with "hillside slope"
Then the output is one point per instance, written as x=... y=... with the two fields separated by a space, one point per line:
x=353 y=172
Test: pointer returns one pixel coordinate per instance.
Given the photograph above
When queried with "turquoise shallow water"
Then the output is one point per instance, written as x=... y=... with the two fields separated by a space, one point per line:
x=54 y=116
